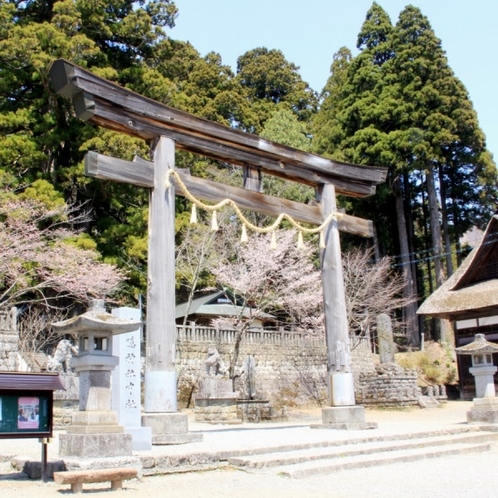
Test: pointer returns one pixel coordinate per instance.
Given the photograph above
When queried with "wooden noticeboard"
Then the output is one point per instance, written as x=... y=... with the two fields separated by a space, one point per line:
x=26 y=404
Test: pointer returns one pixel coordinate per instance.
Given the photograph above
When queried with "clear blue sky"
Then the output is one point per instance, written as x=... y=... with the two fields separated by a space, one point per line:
x=309 y=32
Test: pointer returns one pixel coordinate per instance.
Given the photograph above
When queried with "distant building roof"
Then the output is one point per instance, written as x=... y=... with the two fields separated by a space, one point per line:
x=217 y=304
x=473 y=289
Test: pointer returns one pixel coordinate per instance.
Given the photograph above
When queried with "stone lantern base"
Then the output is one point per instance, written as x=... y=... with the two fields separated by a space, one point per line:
x=484 y=411
x=95 y=434
x=95 y=445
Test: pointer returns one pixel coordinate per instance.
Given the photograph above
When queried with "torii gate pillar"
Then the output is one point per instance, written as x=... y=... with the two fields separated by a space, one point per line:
x=168 y=426
x=342 y=412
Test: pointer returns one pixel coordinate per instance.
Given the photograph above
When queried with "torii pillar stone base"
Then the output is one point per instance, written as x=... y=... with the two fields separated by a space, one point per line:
x=167 y=425
x=344 y=414
x=170 y=428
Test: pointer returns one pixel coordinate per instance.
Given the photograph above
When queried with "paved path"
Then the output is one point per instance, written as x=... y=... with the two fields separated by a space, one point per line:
x=454 y=476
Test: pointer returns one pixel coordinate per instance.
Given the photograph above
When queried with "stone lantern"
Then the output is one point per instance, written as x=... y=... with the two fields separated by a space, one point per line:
x=485 y=407
x=94 y=430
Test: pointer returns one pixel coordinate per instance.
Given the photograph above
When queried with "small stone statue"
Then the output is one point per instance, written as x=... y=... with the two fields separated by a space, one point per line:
x=214 y=364
x=60 y=362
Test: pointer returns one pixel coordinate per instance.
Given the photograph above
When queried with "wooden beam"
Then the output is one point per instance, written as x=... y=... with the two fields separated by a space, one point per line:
x=119 y=170
x=149 y=119
x=141 y=172
x=114 y=118
x=253 y=179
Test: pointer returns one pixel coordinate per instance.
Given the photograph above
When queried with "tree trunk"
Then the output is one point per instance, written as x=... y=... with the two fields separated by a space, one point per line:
x=410 y=230
x=446 y=231
x=436 y=241
x=435 y=226
x=410 y=311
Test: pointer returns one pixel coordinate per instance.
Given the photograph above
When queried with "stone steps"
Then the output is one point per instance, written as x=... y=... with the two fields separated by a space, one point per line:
x=308 y=461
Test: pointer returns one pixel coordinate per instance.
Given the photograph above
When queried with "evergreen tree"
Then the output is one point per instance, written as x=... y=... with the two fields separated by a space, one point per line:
x=440 y=125
x=398 y=104
x=269 y=79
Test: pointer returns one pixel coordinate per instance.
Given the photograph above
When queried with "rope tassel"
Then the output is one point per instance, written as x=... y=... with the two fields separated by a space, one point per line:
x=322 y=240
x=300 y=241
x=273 y=243
x=214 y=222
x=243 y=237
x=193 y=214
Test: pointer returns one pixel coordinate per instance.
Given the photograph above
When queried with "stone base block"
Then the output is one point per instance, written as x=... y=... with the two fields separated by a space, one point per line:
x=94 y=429
x=95 y=422
x=216 y=410
x=95 y=445
x=485 y=410
x=216 y=387
x=259 y=410
x=141 y=438
x=169 y=428
x=344 y=418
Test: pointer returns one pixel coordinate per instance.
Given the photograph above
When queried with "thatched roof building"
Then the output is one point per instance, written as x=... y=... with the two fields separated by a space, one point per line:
x=472 y=291
x=469 y=298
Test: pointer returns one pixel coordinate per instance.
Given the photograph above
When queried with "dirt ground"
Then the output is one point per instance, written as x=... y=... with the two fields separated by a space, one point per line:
x=452 y=476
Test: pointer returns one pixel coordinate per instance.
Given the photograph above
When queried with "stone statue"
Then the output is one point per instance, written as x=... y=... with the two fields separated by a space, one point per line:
x=214 y=364
x=60 y=362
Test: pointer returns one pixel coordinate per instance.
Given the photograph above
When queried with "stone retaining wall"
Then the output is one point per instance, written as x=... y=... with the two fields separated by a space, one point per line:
x=290 y=368
x=389 y=385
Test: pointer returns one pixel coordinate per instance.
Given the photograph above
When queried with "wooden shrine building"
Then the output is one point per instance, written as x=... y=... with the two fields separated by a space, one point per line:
x=469 y=298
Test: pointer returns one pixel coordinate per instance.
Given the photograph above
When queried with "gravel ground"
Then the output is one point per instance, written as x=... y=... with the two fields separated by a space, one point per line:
x=453 y=476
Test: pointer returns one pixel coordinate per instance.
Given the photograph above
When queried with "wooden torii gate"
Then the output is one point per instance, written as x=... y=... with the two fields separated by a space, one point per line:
x=106 y=104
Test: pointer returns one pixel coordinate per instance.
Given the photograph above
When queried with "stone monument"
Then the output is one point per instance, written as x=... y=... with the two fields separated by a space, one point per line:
x=385 y=337
x=94 y=430
x=127 y=382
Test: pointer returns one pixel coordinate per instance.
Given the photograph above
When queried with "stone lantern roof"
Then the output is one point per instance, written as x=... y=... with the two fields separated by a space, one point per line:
x=97 y=319
x=478 y=346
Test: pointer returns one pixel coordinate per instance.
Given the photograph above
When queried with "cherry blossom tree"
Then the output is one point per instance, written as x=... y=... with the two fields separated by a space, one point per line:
x=278 y=280
x=40 y=259
x=371 y=288
x=286 y=281
x=200 y=250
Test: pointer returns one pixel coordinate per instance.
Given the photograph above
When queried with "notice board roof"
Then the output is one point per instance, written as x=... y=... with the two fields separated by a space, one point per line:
x=27 y=381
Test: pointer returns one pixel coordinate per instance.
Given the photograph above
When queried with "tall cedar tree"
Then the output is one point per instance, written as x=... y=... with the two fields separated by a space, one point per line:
x=401 y=106
x=438 y=134
x=354 y=124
